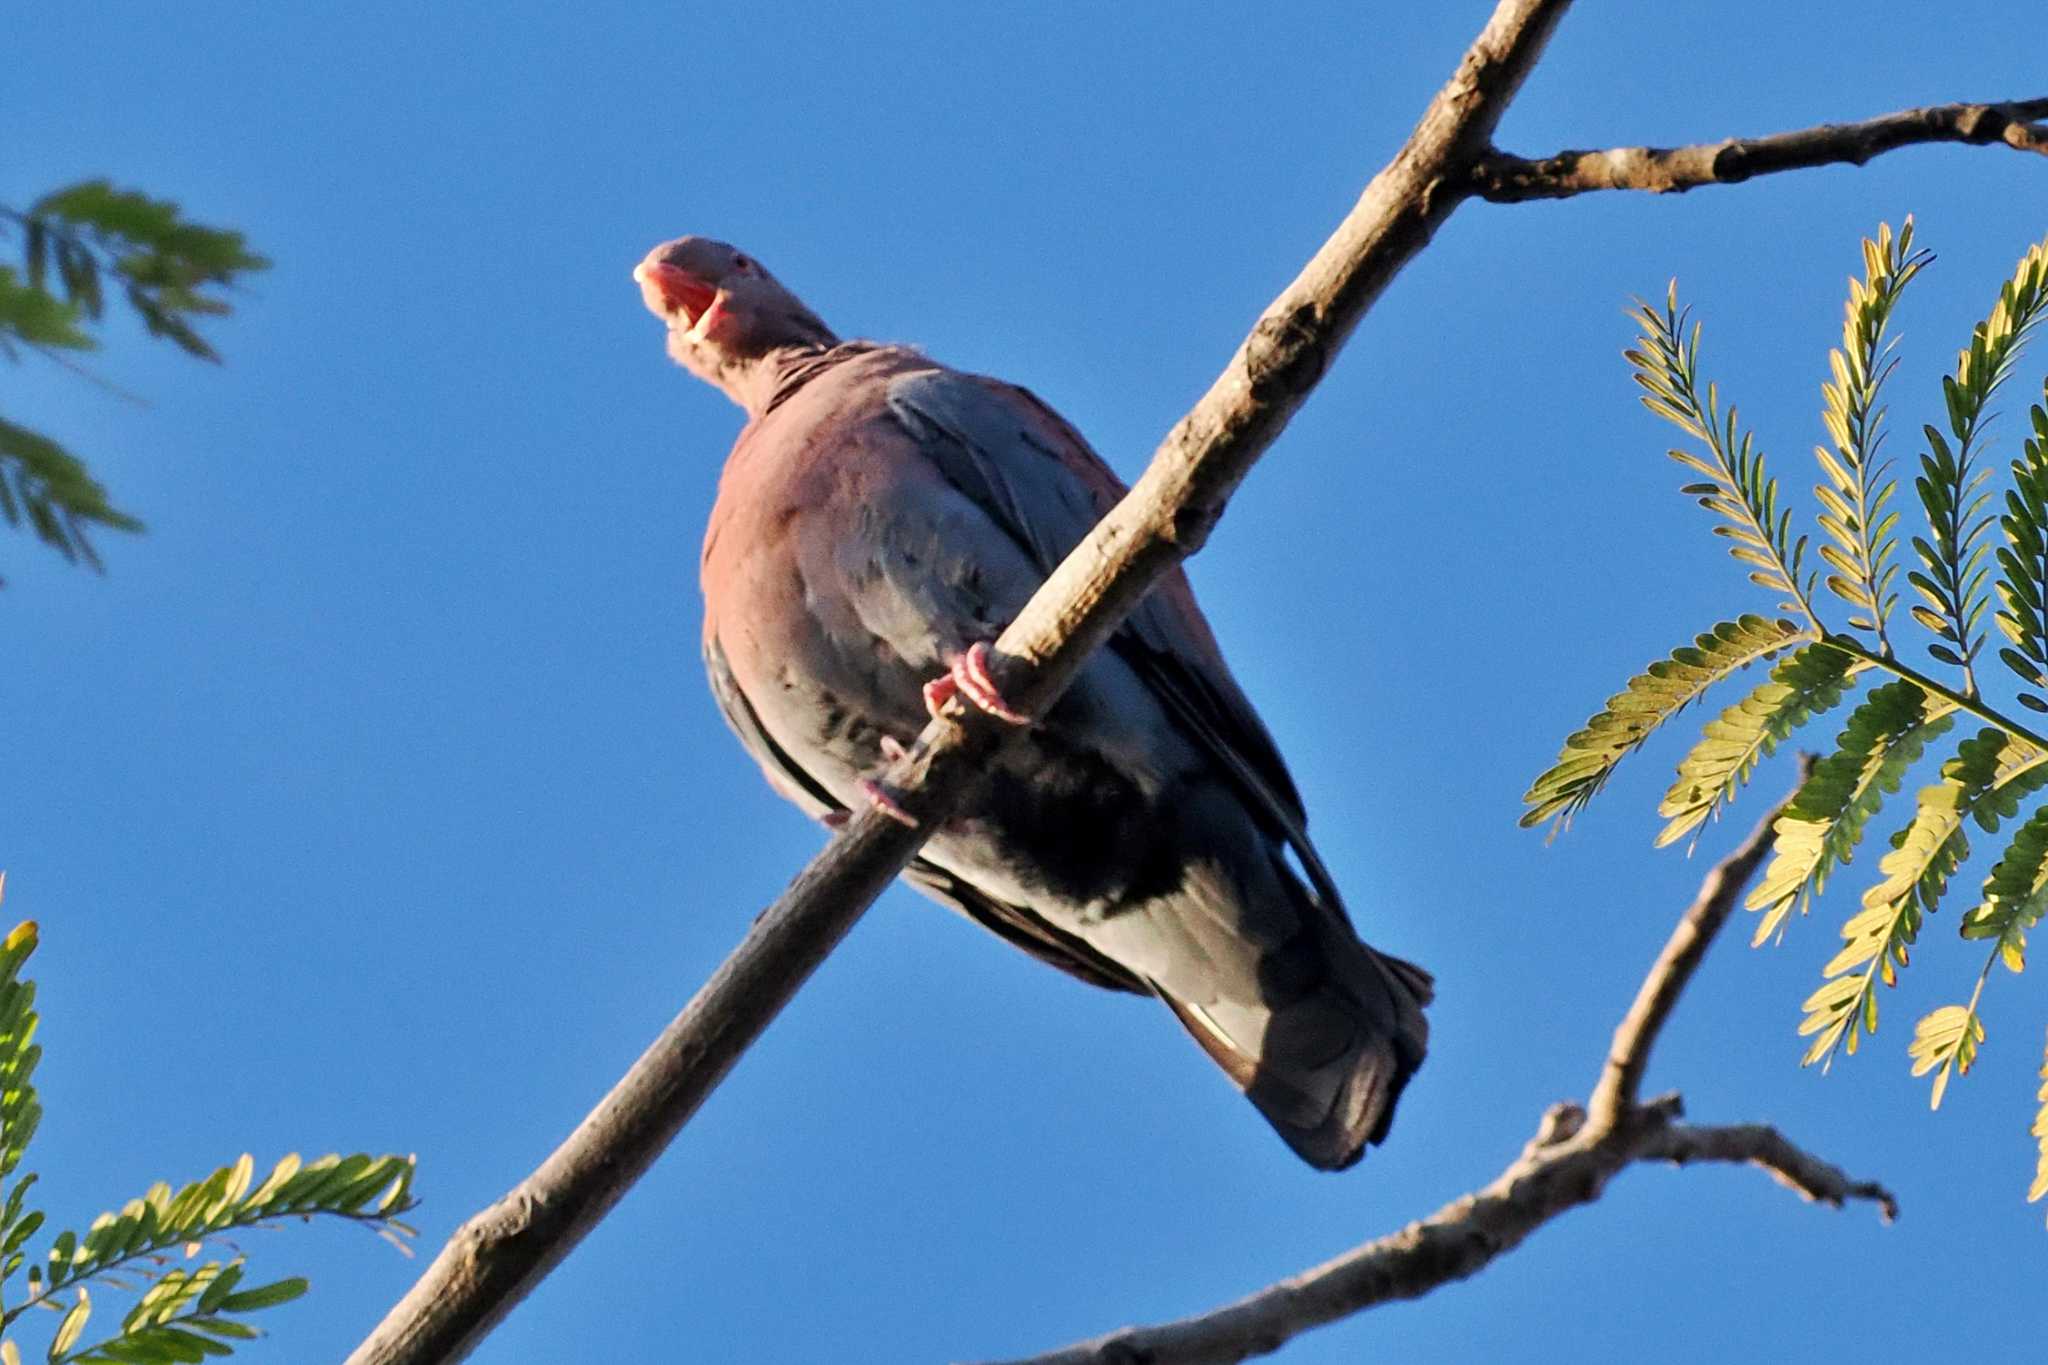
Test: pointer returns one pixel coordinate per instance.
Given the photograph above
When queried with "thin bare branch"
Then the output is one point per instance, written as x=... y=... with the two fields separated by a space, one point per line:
x=1628 y=1057
x=1568 y=1163
x=1505 y=178
x=1551 y=1177
x=493 y=1260
x=1771 y=1152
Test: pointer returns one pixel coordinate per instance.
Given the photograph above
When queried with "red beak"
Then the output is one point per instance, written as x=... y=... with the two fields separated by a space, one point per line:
x=669 y=290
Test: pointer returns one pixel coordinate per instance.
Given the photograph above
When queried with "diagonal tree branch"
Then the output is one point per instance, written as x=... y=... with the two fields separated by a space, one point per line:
x=495 y=1258
x=1505 y=178
x=1568 y=1163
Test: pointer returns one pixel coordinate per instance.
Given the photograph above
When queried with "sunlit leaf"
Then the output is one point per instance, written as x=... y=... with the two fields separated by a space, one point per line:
x=1820 y=829
x=1804 y=684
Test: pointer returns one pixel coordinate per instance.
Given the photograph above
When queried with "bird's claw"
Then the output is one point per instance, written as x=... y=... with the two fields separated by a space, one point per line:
x=968 y=676
x=879 y=797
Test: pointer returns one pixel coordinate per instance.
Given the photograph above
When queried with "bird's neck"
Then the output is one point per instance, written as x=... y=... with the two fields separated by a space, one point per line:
x=769 y=380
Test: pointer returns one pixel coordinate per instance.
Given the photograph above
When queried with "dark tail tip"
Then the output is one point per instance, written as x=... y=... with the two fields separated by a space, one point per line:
x=1388 y=1048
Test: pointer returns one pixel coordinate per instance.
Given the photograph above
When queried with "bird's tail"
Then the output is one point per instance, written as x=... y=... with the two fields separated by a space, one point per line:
x=1340 y=1032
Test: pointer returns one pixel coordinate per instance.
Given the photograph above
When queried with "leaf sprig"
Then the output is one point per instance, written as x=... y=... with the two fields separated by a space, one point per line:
x=184 y=1312
x=1987 y=778
x=77 y=244
x=1652 y=697
x=1952 y=575
x=2023 y=565
x=1737 y=486
x=1856 y=488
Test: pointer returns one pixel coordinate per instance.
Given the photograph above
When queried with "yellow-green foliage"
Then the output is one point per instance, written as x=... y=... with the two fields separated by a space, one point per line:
x=1988 y=776
x=187 y=1310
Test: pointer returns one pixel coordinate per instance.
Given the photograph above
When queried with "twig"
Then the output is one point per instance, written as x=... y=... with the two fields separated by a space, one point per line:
x=1568 y=1163
x=1505 y=178
x=1771 y=1152
x=57 y=357
x=1629 y=1054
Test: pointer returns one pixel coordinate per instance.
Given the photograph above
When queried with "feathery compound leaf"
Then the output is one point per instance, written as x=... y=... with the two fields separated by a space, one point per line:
x=1857 y=490
x=2040 y=1185
x=1985 y=781
x=47 y=485
x=178 y=1318
x=1820 y=829
x=1651 y=698
x=1802 y=686
x=35 y=317
x=161 y=1220
x=2015 y=894
x=2023 y=564
x=1952 y=574
x=1738 y=488
x=163 y=262
x=20 y=1110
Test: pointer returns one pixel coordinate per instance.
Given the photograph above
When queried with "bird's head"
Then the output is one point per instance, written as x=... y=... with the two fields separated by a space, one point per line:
x=725 y=314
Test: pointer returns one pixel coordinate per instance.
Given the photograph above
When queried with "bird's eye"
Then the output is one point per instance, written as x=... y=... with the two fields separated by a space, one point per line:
x=743 y=264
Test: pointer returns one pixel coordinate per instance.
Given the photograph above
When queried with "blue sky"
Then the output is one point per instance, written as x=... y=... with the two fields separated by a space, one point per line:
x=374 y=799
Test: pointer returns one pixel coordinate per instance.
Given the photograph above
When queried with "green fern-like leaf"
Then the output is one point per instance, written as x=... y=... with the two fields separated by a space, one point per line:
x=29 y=316
x=371 y=1189
x=163 y=263
x=2040 y=1130
x=1737 y=487
x=186 y=1316
x=20 y=1109
x=1820 y=829
x=1990 y=774
x=1652 y=697
x=2023 y=565
x=1858 y=489
x=1803 y=685
x=1952 y=576
x=2015 y=895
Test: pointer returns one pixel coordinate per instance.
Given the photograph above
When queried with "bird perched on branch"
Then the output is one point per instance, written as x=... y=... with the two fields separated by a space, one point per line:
x=880 y=520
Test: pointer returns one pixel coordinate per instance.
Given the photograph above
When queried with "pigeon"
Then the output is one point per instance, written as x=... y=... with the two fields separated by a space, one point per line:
x=879 y=521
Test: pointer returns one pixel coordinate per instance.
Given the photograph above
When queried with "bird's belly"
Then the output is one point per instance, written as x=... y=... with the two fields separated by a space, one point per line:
x=1064 y=830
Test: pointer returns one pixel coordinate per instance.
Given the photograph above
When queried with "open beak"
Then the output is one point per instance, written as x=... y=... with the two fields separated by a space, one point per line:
x=671 y=293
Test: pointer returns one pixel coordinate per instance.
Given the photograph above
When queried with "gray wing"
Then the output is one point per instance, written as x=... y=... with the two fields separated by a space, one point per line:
x=784 y=773
x=1034 y=935
x=1040 y=482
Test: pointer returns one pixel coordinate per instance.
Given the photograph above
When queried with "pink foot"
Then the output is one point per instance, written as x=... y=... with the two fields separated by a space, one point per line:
x=885 y=803
x=938 y=692
x=892 y=748
x=968 y=677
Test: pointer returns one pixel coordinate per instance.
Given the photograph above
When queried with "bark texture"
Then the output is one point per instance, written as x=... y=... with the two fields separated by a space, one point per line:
x=1505 y=178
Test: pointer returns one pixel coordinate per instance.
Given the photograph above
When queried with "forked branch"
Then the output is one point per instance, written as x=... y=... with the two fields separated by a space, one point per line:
x=1575 y=1152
